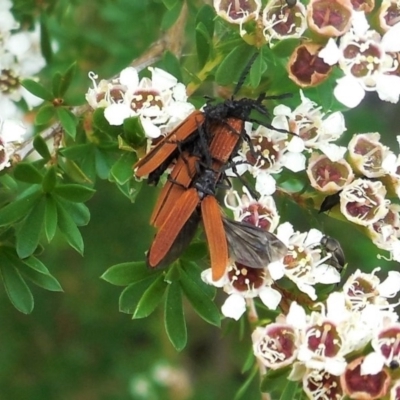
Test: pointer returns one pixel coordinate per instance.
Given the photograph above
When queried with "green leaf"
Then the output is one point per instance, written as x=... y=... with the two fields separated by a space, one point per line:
x=45 y=42
x=26 y=172
x=196 y=251
x=72 y=169
x=239 y=57
x=132 y=294
x=243 y=388
x=134 y=133
x=169 y=3
x=204 y=33
x=49 y=180
x=45 y=114
x=41 y=147
x=131 y=189
x=170 y=17
x=75 y=152
x=56 y=84
x=151 y=298
x=127 y=273
x=16 y=210
x=16 y=288
x=67 y=78
x=285 y=48
x=50 y=218
x=78 y=211
x=290 y=390
x=100 y=123
x=174 y=318
x=68 y=121
x=200 y=301
x=257 y=69
x=275 y=380
x=193 y=271
x=122 y=170
x=35 y=271
x=69 y=229
x=28 y=233
x=37 y=89
x=172 y=65
x=74 y=192
x=103 y=162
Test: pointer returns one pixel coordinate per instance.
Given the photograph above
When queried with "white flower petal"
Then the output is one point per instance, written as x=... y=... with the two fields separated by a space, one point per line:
x=296 y=316
x=391 y=285
x=335 y=366
x=349 y=92
x=296 y=162
x=116 y=113
x=12 y=131
x=270 y=297
x=391 y=39
x=129 y=77
x=326 y=274
x=372 y=364
x=265 y=184
x=333 y=151
x=276 y=269
x=161 y=79
x=330 y=53
x=296 y=145
x=388 y=87
x=359 y=23
x=234 y=306
x=152 y=131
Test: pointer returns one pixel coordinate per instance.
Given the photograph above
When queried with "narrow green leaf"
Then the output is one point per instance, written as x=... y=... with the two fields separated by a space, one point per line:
x=35 y=271
x=41 y=147
x=204 y=33
x=67 y=78
x=131 y=295
x=69 y=229
x=49 y=180
x=169 y=3
x=103 y=163
x=122 y=170
x=239 y=57
x=172 y=65
x=56 y=84
x=200 y=302
x=101 y=124
x=28 y=233
x=174 y=318
x=257 y=69
x=127 y=273
x=290 y=390
x=78 y=211
x=50 y=218
x=16 y=288
x=37 y=89
x=16 y=210
x=68 y=121
x=45 y=114
x=243 y=388
x=45 y=42
x=26 y=172
x=74 y=171
x=171 y=15
x=134 y=133
x=151 y=298
x=193 y=271
x=74 y=192
x=75 y=152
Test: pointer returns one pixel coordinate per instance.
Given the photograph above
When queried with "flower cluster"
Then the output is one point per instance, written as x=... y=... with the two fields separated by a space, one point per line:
x=368 y=61
x=320 y=348
x=159 y=102
x=20 y=58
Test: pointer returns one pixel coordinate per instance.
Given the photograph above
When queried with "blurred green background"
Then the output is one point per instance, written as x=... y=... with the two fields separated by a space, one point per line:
x=76 y=345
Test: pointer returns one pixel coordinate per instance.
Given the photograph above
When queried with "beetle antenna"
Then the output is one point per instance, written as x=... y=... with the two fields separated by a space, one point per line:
x=244 y=74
